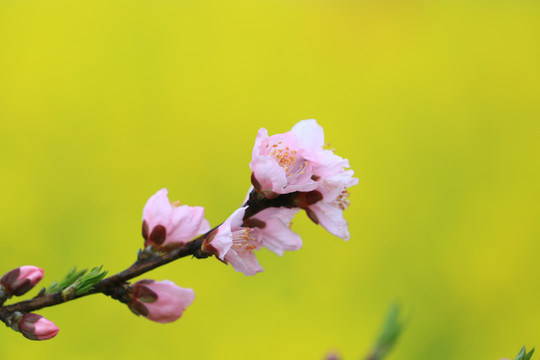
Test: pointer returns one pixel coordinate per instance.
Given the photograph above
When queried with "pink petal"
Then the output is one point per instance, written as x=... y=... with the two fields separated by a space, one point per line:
x=310 y=135
x=332 y=187
x=180 y=224
x=331 y=218
x=304 y=185
x=20 y=280
x=327 y=163
x=45 y=329
x=276 y=235
x=157 y=209
x=245 y=262
x=223 y=239
x=282 y=213
x=184 y=223
x=262 y=135
x=204 y=227
x=36 y=327
x=171 y=301
x=280 y=237
x=269 y=174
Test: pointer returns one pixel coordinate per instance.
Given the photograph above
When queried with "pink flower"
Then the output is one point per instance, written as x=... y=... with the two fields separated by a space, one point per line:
x=161 y=302
x=293 y=161
x=297 y=162
x=329 y=211
x=281 y=164
x=236 y=240
x=271 y=227
x=36 y=327
x=235 y=244
x=18 y=281
x=165 y=223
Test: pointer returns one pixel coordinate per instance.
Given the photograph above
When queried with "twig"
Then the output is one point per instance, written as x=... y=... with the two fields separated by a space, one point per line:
x=113 y=286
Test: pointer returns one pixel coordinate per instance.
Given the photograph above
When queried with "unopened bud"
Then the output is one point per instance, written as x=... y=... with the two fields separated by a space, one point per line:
x=36 y=327
x=18 y=281
x=162 y=301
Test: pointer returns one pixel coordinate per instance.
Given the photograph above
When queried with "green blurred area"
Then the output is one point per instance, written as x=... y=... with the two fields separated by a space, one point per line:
x=436 y=105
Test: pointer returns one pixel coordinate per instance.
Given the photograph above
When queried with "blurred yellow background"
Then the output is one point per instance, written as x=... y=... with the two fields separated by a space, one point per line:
x=435 y=103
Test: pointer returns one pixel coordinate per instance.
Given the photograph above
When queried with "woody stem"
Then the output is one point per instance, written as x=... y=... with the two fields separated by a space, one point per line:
x=111 y=286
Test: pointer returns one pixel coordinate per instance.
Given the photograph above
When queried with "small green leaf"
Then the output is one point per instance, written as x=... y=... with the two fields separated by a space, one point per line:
x=87 y=282
x=78 y=282
x=68 y=280
x=392 y=329
x=523 y=355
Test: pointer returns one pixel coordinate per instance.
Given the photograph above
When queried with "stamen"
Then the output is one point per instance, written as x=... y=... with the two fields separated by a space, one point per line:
x=244 y=240
x=286 y=158
x=342 y=201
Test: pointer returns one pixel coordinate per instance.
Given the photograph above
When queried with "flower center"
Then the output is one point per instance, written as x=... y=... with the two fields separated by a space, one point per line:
x=244 y=240
x=342 y=201
x=287 y=159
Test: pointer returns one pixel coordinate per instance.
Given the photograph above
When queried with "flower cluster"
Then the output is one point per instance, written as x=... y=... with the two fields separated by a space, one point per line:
x=294 y=165
x=291 y=172
x=297 y=162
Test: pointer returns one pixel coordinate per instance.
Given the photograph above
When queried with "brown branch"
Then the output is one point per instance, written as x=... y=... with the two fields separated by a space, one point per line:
x=110 y=284
x=114 y=285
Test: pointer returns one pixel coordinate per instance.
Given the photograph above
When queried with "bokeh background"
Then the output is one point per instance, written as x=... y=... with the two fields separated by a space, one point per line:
x=435 y=103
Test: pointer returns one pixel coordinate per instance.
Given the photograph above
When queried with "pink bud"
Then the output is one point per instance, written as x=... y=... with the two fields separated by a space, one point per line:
x=36 y=327
x=162 y=301
x=18 y=281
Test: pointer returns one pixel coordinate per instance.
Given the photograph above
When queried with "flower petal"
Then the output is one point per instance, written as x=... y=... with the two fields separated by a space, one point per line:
x=279 y=237
x=262 y=135
x=268 y=173
x=276 y=234
x=171 y=301
x=184 y=224
x=327 y=163
x=310 y=135
x=245 y=262
x=331 y=218
x=157 y=209
x=223 y=239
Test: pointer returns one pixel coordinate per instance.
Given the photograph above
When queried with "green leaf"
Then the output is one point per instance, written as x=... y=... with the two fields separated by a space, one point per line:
x=87 y=282
x=68 y=280
x=389 y=335
x=78 y=282
x=523 y=355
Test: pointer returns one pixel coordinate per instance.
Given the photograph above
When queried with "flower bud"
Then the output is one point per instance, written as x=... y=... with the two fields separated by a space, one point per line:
x=36 y=327
x=18 y=281
x=162 y=301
